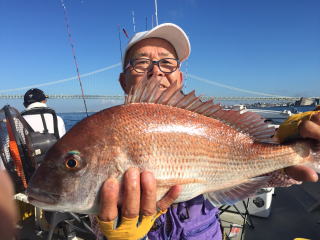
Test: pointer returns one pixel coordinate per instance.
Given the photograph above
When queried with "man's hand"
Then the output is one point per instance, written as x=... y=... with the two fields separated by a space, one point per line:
x=139 y=198
x=307 y=129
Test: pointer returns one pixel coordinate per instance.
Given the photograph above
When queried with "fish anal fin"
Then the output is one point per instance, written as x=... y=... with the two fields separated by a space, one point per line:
x=236 y=193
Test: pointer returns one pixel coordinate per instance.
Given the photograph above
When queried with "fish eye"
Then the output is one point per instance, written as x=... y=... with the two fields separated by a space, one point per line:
x=72 y=161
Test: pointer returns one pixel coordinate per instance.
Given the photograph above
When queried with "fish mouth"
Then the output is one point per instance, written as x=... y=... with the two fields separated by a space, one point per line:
x=36 y=195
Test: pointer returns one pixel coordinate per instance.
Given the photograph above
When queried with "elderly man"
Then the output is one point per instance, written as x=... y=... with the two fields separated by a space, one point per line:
x=149 y=54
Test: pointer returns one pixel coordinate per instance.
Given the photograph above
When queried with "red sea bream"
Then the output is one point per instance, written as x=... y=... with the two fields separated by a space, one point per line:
x=182 y=140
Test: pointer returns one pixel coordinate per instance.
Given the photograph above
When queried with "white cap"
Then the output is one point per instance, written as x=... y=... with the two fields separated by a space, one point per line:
x=168 y=31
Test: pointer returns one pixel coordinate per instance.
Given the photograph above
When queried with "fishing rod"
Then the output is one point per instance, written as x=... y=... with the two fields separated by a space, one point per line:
x=152 y=21
x=146 y=23
x=73 y=53
x=120 y=43
x=156 y=11
x=133 y=22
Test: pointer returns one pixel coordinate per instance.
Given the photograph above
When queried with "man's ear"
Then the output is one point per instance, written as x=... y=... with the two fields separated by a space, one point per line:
x=123 y=83
x=181 y=78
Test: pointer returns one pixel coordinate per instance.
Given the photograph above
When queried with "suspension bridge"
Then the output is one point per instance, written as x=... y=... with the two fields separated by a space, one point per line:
x=95 y=83
x=110 y=97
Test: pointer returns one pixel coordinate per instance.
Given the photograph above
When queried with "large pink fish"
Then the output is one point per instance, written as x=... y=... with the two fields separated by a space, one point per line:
x=179 y=138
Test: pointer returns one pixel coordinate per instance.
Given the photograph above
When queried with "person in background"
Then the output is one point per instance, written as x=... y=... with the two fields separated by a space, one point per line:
x=41 y=119
x=39 y=116
x=51 y=127
x=149 y=54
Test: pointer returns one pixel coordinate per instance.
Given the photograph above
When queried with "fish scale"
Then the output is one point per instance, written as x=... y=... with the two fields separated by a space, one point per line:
x=183 y=146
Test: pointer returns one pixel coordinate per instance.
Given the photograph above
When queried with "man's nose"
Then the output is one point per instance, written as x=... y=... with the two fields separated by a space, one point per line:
x=155 y=71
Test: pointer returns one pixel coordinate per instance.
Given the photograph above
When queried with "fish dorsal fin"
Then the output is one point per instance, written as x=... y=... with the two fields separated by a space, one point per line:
x=236 y=193
x=149 y=91
x=248 y=122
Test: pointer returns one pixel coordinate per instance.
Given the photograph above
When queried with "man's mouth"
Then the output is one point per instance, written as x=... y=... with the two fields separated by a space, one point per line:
x=162 y=86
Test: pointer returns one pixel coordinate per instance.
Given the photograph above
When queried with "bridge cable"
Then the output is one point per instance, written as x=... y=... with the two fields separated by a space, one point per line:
x=62 y=80
x=73 y=53
x=233 y=88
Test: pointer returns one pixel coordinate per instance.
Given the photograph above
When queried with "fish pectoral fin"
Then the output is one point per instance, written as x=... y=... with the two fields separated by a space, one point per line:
x=236 y=193
x=165 y=183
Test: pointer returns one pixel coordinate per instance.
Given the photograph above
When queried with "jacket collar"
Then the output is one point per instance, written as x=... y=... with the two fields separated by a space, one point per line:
x=36 y=105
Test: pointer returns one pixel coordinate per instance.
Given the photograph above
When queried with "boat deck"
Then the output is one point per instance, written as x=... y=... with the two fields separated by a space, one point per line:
x=295 y=212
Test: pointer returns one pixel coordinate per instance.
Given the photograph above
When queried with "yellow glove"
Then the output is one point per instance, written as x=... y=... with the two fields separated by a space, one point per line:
x=129 y=228
x=289 y=129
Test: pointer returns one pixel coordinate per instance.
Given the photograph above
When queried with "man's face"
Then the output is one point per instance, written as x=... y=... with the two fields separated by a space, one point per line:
x=154 y=49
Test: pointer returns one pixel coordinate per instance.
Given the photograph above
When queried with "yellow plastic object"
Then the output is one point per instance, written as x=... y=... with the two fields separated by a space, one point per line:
x=129 y=228
x=301 y=239
x=25 y=210
x=289 y=129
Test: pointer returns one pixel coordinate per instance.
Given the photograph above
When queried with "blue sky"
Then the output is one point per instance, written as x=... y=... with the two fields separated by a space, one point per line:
x=267 y=46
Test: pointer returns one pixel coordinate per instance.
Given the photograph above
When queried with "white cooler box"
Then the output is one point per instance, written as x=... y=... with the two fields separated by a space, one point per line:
x=260 y=204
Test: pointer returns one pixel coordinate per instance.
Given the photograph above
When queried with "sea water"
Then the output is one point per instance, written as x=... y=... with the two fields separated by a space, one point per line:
x=71 y=119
